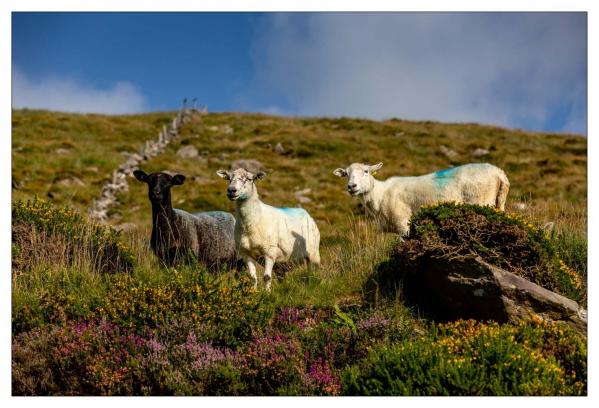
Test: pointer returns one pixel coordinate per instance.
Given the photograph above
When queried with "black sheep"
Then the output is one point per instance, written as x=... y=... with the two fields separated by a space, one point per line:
x=208 y=235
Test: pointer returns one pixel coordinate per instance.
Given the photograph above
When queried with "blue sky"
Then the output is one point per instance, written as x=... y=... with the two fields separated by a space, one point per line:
x=512 y=69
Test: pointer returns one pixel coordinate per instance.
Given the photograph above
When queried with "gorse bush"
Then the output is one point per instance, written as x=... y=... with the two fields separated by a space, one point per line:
x=231 y=309
x=502 y=239
x=43 y=235
x=469 y=358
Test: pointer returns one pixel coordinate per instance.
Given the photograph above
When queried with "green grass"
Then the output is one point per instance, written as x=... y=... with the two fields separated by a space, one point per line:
x=547 y=172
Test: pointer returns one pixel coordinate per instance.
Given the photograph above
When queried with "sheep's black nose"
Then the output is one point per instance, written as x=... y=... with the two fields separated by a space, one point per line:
x=352 y=186
x=231 y=190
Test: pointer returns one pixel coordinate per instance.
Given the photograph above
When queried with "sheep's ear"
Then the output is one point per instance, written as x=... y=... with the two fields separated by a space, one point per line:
x=340 y=172
x=141 y=176
x=376 y=167
x=259 y=176
x=178 y=179
x=224 y=174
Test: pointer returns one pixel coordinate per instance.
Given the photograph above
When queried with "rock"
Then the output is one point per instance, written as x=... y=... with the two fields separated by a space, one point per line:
x=447 y=152
x=303 y=200
x=126 y=227
x=470 y=288
x=62 y=151
x=300 y=195
x=187 y=152
x=72 y=181
x=201 y=180
x=519 y=206
x=399 y=134
x=16 y=184
x=479 y=152
x=303 y=192
x=226 y=129
x=251 y=165
x=279 y=149
x=93 y=169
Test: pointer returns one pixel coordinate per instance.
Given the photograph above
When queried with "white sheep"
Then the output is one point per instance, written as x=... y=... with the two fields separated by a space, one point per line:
x=393 y=201
x=275 y=234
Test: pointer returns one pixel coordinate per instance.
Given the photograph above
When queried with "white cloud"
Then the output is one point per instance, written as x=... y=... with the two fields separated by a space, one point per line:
x=517 y=70
x=67 y=95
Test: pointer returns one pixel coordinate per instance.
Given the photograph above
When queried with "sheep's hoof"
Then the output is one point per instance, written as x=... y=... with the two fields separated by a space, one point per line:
x=267 y=283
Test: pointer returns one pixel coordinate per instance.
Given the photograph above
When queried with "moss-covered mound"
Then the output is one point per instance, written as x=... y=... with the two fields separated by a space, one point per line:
x=43 y=234
x=449 y=231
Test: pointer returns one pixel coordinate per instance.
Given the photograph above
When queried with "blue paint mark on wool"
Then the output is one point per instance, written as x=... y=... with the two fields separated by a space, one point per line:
x=293 y=212
x=443 y=177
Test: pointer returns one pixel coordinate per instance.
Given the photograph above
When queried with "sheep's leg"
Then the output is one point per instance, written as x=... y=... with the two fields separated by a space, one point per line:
x=401 y=219
x=403 y=228
x=268 y=264
x=251 y=265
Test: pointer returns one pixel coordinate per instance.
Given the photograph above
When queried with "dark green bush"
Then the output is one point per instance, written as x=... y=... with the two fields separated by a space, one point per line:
x=469 y=358
x=502 y=239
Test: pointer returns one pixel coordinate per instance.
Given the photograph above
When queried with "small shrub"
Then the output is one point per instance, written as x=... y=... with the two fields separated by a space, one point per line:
x=573 y=250
x=272 y=364
x=469 y=358
x=101 y=358
x=43 y=234
x=230 y=311
x=502 y=239
x=76 y=359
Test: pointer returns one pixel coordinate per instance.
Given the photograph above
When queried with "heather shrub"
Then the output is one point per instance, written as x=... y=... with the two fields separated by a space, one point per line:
x=331 y=339
x=469 y=358
x=76 y=359
x=272 y=363
x=502 y=239
x=101 y=358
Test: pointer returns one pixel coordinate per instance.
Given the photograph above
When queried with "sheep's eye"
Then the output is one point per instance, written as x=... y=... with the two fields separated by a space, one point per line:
x=366 y=171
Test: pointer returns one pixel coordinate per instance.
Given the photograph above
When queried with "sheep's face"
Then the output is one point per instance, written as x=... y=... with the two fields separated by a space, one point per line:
x=159 y=184
x=241 y=183
x=359 y=177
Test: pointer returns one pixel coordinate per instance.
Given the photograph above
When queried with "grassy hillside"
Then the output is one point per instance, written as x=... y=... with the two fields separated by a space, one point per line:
x=66 y=158
x=546 y=171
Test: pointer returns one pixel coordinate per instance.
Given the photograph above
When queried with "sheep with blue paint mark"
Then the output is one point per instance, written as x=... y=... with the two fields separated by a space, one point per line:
x=263 y=231
x=393 y=201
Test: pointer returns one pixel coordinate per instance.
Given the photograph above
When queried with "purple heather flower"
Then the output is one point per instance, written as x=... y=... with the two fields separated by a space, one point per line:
x=372 y=322
x=205 y=355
